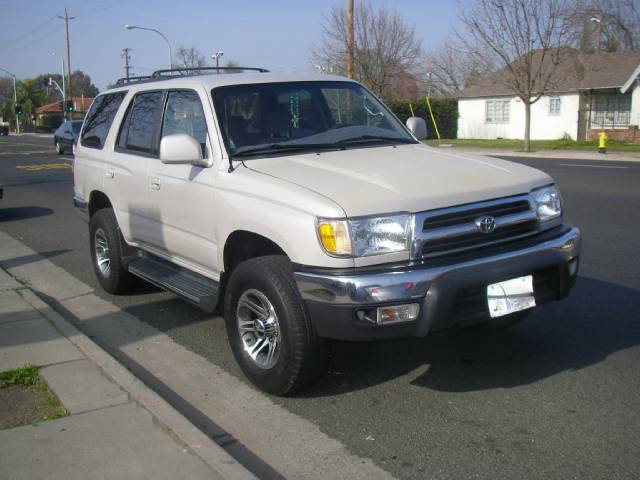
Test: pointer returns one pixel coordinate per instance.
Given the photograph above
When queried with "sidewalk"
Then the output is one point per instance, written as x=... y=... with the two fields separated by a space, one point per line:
x=108 y=434
x=546 y=153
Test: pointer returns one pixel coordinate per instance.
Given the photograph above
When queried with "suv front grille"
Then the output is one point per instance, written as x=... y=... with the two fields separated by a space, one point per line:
x=453 y=230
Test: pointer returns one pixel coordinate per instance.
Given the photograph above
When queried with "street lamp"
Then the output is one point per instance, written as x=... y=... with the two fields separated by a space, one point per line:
x=132 y=27
x=64 y=95
x=15 y=98
x=216 y=56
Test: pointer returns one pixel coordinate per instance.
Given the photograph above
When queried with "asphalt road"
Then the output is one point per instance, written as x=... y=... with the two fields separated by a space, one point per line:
x=555 y=397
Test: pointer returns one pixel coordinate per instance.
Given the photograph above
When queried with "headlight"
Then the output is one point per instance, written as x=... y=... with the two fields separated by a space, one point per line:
x=547 y=202
x=362 y=237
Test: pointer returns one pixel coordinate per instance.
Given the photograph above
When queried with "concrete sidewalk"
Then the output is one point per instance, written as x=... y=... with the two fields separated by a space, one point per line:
x=108 y=434
x=545 y=153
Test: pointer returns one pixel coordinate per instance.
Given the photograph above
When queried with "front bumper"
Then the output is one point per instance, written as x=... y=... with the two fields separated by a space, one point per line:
x=448 y=294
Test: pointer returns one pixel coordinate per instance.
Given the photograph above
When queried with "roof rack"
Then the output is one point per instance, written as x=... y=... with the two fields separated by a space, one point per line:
x=128 y=80
x=171 y=72
x=182 y=72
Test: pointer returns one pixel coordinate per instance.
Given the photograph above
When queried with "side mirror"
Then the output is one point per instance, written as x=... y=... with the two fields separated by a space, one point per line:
x=181 y=148
x=418 y=127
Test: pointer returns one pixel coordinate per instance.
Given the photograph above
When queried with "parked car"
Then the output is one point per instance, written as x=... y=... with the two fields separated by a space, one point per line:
x=66 y=136
x=4 y=128
x=305 y=211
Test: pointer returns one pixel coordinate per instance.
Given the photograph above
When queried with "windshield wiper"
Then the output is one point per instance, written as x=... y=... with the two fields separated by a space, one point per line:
x=373 y=138
x=283 y=147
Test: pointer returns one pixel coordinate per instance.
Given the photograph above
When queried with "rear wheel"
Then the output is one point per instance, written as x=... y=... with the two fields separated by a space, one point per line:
x=106 y=252
x=269 y=328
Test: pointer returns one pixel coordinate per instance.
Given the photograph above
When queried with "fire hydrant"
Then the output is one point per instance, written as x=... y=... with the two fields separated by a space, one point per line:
x=602 y=142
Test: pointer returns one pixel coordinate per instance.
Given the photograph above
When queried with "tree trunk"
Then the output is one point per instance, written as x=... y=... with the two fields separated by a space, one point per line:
x=527 y=125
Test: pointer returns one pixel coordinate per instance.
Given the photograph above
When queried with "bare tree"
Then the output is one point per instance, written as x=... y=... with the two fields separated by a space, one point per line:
x=450 y=68
x=386 y=50
x=613 y=24
x=188 y=57
x=525 y=38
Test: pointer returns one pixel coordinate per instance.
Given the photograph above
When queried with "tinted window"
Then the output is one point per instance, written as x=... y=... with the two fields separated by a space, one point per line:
x=99 y=119
x=139 y=129
x=184 y=114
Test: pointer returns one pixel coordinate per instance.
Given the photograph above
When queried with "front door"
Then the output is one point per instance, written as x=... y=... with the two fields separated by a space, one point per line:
x=183 y=194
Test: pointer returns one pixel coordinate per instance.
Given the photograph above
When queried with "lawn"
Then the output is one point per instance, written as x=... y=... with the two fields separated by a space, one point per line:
x=612 y=145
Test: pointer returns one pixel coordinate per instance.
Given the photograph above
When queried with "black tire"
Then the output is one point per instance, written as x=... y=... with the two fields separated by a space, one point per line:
x=302 y=357
x=103 y=226
x=59 y=147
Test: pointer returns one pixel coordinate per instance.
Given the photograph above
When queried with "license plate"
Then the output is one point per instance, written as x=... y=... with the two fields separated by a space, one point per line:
x=510 y=296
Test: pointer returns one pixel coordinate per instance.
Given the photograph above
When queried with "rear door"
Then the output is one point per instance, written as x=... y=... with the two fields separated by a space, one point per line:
x=127 y=167
x=182 y=195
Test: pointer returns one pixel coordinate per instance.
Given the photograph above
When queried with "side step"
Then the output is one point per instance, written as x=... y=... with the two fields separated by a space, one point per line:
x=193 y=287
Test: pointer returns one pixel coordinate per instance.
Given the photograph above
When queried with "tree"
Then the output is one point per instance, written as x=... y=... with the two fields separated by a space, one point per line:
x=188 y=57
x=82 y=86
x=6 y=99
x=524 y=37
x=30 y=96
x=80 y=82
x=449 y=68
x=233 y=67
x=613 y=23
x=386 y=50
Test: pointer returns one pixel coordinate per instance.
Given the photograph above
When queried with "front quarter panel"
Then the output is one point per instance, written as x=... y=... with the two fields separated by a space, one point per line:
x=280 y=211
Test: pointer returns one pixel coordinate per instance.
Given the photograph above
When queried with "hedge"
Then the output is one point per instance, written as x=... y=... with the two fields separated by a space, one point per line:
x=445 y=111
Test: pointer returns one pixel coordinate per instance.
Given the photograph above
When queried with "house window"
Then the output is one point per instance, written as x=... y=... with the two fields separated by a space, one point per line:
x=610 y=111
x=497 y=111
x=554 y=106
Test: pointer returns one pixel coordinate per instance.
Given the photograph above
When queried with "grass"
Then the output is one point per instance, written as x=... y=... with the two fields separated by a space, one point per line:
x=612 y=145
x=29 y=377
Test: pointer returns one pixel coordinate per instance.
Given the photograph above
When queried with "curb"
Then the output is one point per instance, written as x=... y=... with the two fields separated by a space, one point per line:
x=173 y=421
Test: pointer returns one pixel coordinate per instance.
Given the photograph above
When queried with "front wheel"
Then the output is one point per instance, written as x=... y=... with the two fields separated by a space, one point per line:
x=269 y=328
x=59 y=148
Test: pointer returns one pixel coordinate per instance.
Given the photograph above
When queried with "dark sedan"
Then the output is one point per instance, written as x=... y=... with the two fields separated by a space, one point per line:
x=66 y=136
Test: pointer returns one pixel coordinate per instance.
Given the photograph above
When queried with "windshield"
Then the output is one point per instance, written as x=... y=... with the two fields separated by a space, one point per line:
x=270 y=118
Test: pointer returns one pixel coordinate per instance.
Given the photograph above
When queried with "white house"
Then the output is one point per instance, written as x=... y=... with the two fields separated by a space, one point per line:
x=589 y=93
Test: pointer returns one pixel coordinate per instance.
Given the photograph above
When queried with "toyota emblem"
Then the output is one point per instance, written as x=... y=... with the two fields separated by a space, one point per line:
x=486 y=224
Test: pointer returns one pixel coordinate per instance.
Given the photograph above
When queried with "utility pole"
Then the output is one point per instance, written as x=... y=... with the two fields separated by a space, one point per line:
x=350 y=39
x=66 y=19
x=127 y=57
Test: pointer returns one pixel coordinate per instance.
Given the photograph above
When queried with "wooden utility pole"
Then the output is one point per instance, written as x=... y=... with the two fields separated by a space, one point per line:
x=66 y=19
x=350 y=39
x=127 y=57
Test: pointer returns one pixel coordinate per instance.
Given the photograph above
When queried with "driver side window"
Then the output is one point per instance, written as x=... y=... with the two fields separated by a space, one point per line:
x=184 y=114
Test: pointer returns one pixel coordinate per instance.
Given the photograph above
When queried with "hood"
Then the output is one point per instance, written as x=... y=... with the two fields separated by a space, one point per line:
x=411 y=178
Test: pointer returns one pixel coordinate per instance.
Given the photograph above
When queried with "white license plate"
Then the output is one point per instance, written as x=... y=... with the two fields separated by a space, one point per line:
x=510 y=296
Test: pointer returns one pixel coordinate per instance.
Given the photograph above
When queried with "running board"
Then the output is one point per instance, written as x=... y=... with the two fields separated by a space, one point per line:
x=193 y=287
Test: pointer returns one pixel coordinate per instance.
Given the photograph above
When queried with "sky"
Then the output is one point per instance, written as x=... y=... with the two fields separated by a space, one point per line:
x=274 y=34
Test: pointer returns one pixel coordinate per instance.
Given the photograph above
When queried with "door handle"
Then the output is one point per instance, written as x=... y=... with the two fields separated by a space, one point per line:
x=155 y=183
x=109 y=173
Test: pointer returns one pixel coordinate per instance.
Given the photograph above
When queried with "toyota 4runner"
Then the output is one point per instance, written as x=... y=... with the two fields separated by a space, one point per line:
x=302 y=208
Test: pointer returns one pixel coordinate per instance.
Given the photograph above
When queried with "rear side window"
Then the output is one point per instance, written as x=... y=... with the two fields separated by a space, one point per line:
x=140 y=127
x=100 y=118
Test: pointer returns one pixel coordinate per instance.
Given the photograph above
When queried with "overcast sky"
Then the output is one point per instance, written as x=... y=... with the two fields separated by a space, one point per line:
x=275 y=34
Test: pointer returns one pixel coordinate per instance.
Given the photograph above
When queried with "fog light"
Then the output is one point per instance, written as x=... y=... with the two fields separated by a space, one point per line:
x=573 y=267
x=398 y=313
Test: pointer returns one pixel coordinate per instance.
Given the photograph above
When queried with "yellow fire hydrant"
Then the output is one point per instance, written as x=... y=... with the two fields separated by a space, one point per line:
x=602 y=142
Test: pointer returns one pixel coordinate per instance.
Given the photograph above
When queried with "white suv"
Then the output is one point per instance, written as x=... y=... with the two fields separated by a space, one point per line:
x=303 y=208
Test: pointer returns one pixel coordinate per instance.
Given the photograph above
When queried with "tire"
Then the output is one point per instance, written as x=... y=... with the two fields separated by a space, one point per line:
x=106 y=253
x=59 y=148
x=299 y=357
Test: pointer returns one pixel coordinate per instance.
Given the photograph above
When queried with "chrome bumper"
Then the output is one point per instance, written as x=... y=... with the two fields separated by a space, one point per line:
x=413 y=283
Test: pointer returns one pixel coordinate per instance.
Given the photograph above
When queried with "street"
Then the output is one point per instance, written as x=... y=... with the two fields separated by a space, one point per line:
x=554 y=397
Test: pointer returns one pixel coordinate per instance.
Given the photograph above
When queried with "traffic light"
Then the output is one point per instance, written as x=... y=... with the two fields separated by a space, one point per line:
x=18 y=109
x=69 y=106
